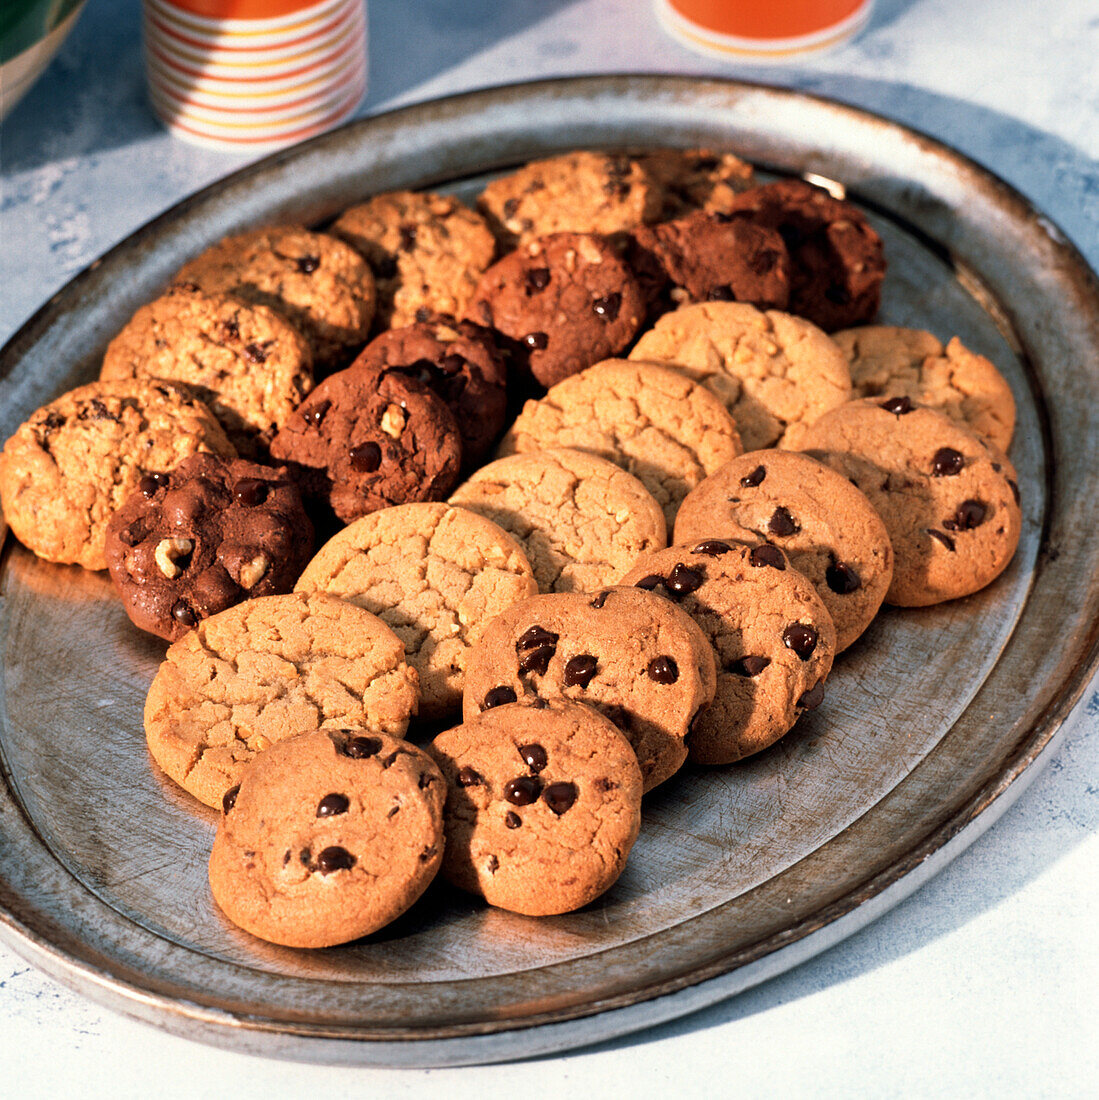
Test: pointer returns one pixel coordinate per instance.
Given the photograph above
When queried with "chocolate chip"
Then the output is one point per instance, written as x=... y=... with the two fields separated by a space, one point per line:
x=360 y=748
x=536 y=646
x=493 y=864
x=663 y=670
x=229 y=799
x=607 y=307
x=599 y=600
x=335 y=859
x=711 y=548
x=650 y=582
x=534 y=756
x=132 y=535
x=510 y=207
x=428 y=853
x=512 y=820
x=604 y=784
x=749 y=666
x=801 y=638
x=498 y=696
x=230 y=330
x=536 y=341
x=522 y=790
x=150 y=483
x=308 y=264
x=256 y=353
x=407 y=234
x=467 y=777
x=538 y=278
x=393 y=811
x=183 y=613
x=1014 y=490
x=946 y=540
x=579 y=670
x=782 y=523
x=250 y=491
x=970 y=514
x=750 y=481
x=767 y=555
x=451 y=364
x=390 y=760
x=332 y=804
x=813 y=697
x=842 y=578
x=559 y=797
x=947 y=462
x=684 y=579
x=316 y=414
x=898 y=406
x=366 y=457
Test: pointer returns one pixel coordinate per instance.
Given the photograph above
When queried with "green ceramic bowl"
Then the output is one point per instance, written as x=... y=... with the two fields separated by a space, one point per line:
x=31 y=32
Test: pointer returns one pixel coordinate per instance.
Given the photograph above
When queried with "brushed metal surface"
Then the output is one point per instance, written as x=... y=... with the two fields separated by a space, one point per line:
x=931 y=723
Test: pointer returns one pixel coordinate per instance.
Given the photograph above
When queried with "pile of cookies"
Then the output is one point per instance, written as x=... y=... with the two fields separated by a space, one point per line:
x=719 y=473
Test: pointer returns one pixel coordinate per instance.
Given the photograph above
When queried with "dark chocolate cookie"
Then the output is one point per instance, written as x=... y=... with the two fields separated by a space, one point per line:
x=367 y=438
x=204 y=536
x=567 y=300
x=837 y=263
x=461 y=363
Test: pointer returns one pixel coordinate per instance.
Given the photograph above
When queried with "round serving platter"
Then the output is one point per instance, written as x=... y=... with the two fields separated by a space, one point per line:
x=933 y=722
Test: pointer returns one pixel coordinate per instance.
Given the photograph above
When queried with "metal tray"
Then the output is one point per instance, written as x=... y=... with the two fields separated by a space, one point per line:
x=933 y=722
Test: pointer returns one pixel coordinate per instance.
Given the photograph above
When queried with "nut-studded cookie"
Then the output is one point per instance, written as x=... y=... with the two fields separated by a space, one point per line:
x=837 y=259
x=696 y=179
x=204 y=536
x=367 y=438
x=250 y=366
x=909 y=362
x=543 y=806
x=773 y=371
x=771 y=633
x=565 y=301
x=265 y=670
x=74 y=461
x=320 y=284
x=828 y=529
x=657 y=424
x=460 y=362
x=638 y=659
x=330 y=835
x=581 y=192
x=427 y=251
x=581 y=519
x=436 y=575
x=949 y=501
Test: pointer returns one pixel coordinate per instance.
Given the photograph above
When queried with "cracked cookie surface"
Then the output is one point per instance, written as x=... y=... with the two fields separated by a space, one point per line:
x=772 y=636
x=330 y=836
x=581 y=519
x=435 y=575
x=771 y=370
x=657 y=424
x=265 y=670
x=74 y=461
x=637 y=658
x=543 y=806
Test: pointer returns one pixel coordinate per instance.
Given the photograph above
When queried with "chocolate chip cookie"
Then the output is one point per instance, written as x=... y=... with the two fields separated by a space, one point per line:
x=581 y=519
x=658 y=425
x=828 y=529
x=894 y=362
x=564 y=301
x=367 y=438
x=460 y=362
x=696 y=179
x=433 y=573
x=74 y=461
x=949 y=500
x=771 y=633
x=251 y=367
x=320 y=284
x=265 y=670
x=543 y=806
x=202 y=537
x=427 y=251
x=637 y=658
x=771 y=370
x=330 y=836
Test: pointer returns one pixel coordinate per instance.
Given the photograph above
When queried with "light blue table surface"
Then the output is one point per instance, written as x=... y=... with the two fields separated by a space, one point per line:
x=985 y=982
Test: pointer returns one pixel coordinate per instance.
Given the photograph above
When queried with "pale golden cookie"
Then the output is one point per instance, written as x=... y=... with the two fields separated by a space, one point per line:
x=436 y=575
x=658 y=425
x=543 y=806
x=894 y=362
x=266 y=670
x=74 y=461
x=330 y=836
x=581 y=520
x=771 y=369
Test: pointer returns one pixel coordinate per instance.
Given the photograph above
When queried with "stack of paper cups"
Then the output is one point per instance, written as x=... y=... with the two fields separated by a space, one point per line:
x=254 y=74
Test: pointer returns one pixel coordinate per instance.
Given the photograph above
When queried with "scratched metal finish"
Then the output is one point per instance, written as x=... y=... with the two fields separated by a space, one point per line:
x=926 y=721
